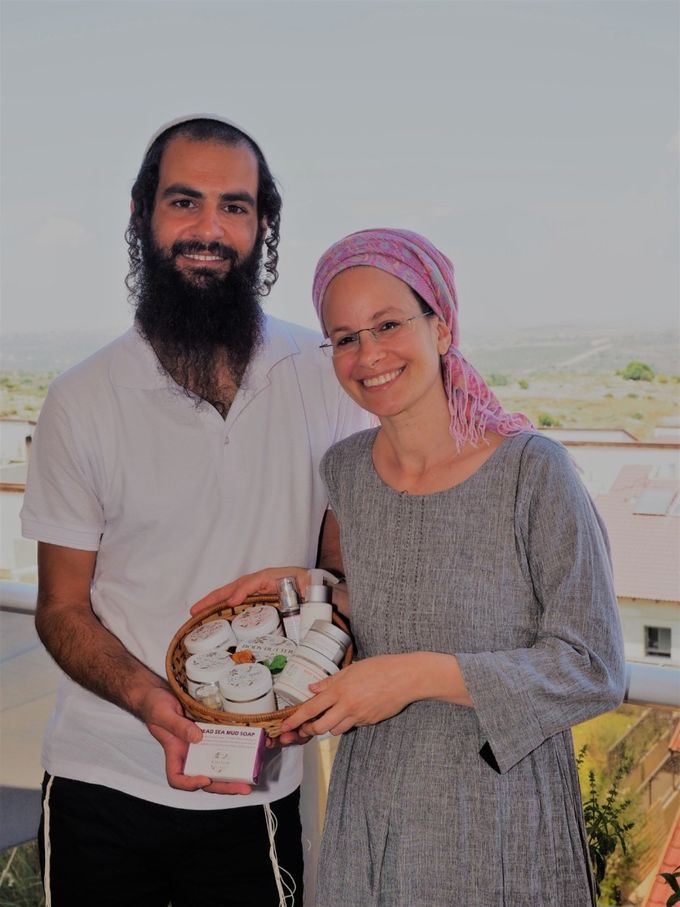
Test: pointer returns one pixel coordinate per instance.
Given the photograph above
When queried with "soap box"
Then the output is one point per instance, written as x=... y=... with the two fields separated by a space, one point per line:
x=227 y=753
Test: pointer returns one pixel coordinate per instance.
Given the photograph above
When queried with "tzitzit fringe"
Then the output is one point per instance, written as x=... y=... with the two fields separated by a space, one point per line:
x=285 y=889
x=46 y=843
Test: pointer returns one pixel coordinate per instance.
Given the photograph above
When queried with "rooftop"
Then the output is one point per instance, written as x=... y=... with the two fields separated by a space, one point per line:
x=642 y=515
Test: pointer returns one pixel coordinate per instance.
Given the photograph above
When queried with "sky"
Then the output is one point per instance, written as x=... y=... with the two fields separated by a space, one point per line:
x=536 y=143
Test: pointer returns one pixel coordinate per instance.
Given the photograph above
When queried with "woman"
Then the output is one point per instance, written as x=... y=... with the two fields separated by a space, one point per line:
x=481 y=602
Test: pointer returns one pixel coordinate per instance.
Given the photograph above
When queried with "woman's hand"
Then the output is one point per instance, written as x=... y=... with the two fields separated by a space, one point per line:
x=373 y=689
x=262 y=582
x=365 y=692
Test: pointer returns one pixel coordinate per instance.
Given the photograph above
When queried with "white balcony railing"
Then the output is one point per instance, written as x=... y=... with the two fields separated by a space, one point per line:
x=646 y=684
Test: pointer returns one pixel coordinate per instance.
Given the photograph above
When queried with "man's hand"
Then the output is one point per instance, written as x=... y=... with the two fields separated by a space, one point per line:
x=86 y=651
x=262 y=582
x=162 y=714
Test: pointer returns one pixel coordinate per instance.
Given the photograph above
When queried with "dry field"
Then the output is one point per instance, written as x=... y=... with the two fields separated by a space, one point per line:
x=574 y=400
x=596 y=401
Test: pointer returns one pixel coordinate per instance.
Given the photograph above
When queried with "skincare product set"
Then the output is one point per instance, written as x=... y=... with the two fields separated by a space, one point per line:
x=264 y=658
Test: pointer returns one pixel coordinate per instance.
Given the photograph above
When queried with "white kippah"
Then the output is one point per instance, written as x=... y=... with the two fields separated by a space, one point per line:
x=194 y=116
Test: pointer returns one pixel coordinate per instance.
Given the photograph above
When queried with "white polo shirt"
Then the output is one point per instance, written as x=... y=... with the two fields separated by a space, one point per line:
x=176 y=501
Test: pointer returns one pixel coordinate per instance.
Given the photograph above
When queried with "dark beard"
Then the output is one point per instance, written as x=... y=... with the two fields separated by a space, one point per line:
x=202 y=322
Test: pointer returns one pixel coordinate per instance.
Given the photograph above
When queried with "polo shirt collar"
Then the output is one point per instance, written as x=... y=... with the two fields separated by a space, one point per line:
x=135 y=365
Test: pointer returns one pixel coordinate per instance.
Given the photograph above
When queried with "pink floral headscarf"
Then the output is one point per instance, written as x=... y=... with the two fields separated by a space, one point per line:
x=474 y=408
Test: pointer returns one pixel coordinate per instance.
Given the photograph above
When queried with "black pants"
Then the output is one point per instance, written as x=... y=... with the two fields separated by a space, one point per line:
x=104 y=848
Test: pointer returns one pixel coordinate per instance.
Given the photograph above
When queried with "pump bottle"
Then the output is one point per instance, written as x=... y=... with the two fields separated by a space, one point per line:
x=317 y=603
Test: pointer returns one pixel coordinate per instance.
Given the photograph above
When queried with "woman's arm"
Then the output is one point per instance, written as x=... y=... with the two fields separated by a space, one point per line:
x=373 y=689
x=575 y=668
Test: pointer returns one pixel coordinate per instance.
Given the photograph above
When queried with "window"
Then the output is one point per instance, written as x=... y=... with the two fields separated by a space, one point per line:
x=658 y=641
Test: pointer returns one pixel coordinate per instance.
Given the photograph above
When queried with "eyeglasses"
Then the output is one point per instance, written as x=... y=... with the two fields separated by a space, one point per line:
x=383 y=334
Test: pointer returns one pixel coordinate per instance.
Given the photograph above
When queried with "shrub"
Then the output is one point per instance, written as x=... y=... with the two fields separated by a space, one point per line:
x=662 y=379
x=604 y=820
x=494 y=380
x=545 y=420
x=523 y=383
x=637 y=371
x=608 y=396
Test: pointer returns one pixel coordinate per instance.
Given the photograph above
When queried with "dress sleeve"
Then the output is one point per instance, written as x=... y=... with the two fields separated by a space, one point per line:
x=575 y=668
x=61 y=506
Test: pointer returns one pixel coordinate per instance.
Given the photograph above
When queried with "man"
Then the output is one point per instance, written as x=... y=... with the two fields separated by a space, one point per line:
x=183 y=453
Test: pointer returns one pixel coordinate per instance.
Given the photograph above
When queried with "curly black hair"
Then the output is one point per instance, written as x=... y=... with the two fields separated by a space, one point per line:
x=201 y=129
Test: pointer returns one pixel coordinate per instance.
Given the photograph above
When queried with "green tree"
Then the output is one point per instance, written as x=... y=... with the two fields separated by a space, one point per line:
x=637 y=371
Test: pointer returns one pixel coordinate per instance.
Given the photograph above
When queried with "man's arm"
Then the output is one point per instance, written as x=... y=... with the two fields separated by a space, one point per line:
x=97 y=660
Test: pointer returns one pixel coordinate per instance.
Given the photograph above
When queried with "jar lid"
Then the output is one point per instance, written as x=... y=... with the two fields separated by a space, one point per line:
x=207 y=667
x=312 y=655
x=245 y=682
x=210 y=635
x=330 y=629
x=256 y=621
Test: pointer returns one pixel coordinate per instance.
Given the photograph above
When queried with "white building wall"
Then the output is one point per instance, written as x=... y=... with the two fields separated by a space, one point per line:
x=636 y=615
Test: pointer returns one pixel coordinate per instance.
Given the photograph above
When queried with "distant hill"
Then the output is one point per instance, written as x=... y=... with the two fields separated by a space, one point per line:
x=541 y=349
x=53 y=351
x=572 y=349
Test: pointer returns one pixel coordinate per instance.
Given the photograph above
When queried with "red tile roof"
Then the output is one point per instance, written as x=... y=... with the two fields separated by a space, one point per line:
x=660 y=892
x=674 y=745
x=645 y=547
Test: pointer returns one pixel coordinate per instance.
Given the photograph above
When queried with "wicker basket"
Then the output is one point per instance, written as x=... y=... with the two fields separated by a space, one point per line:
x=177 y=655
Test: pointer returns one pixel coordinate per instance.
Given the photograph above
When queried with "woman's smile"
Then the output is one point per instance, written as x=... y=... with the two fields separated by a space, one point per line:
x=380 y=380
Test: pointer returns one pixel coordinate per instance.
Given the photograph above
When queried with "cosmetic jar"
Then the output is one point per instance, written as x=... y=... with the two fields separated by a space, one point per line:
x=260 y=620
x=247 y=689
x=213 y=634
x=306 y=666
x=327 y=639
x=264 y=648
x=206 y=667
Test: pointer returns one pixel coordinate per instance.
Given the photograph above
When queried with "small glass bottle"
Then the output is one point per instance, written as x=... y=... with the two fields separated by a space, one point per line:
x=208 y=694
x=290 y=608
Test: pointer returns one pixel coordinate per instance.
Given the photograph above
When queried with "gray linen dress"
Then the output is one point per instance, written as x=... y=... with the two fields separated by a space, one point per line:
x=509 y=571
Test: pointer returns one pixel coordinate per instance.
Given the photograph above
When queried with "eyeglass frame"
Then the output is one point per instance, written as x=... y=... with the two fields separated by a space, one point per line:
x=374 y=332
